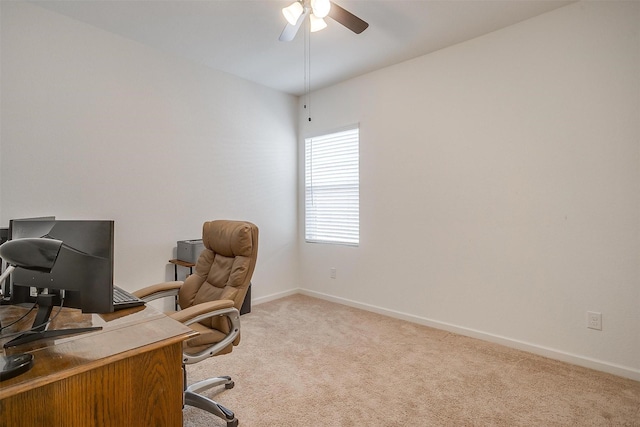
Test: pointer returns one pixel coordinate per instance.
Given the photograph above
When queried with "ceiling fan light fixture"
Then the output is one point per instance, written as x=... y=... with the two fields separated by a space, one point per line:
x=317 y=24
x=320 y=8
x=292 y=12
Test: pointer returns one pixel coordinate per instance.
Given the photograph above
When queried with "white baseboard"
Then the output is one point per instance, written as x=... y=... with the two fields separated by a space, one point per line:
x=273 y=297
x=599 y=365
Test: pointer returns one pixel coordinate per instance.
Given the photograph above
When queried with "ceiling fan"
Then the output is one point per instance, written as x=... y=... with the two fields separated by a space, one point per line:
x=317 y=10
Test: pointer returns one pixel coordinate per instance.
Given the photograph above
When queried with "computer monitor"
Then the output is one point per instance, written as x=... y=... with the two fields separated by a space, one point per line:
x=4 y=289
x=83 y=269
x=5 y=234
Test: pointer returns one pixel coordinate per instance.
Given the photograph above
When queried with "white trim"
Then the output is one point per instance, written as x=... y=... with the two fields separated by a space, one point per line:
x=273 y=297
x=599 y=365
x=586 y=362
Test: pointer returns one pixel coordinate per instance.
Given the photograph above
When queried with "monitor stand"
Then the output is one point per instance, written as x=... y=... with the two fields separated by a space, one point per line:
x=15 y=364
x=38 y=332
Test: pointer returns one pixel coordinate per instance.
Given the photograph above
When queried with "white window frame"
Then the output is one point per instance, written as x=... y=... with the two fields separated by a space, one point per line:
x=332 y=187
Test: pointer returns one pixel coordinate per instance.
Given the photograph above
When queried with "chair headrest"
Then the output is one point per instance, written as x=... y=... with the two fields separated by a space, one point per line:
x=229 y=238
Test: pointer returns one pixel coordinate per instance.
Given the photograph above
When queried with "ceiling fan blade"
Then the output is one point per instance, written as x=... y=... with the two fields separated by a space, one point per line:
x=290 y=31
x=347 y=19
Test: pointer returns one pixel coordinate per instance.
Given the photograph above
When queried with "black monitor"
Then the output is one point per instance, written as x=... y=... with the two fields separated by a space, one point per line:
x=4 y=289
x=83 y=269
x=5 y=234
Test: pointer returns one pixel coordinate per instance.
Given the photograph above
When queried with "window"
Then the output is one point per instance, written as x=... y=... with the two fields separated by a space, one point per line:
x=332 y=181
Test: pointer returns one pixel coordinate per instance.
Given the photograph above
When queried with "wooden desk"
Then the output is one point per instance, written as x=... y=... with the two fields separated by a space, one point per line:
x=127 y=374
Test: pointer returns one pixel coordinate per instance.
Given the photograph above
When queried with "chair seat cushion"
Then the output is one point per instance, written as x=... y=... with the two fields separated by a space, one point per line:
x=206 y=338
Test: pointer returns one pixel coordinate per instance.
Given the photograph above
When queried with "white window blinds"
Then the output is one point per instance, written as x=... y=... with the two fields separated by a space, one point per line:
x=332 y=206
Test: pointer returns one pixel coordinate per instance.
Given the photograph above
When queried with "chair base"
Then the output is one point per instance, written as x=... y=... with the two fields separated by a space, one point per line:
x=193 y=398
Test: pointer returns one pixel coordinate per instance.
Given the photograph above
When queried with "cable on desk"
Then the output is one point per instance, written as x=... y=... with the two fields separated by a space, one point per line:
x=20 y=318
x=34 y=327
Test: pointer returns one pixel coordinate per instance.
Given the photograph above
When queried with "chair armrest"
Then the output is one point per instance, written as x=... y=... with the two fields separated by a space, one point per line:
x=206 y=310
x=202 y=311
x=159 y=290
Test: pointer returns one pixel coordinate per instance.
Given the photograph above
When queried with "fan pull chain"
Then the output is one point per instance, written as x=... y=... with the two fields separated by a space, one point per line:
x=307 y=68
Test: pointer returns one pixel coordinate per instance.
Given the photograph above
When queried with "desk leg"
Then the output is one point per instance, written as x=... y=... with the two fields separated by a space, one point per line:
x=175 y=277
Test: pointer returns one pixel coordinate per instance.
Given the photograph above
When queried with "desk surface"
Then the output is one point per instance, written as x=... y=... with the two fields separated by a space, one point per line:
x=125 y=333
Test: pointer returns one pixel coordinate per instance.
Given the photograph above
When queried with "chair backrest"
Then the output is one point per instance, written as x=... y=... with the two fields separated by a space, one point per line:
x=225 y=266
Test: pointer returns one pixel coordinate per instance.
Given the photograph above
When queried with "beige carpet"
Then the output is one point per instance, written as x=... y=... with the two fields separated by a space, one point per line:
x=308 y=362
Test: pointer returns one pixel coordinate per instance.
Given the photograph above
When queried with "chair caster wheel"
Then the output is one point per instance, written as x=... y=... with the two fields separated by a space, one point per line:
x=229 y=386
x=233 y=423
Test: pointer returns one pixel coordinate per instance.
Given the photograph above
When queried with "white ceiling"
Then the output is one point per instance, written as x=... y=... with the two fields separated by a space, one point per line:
x=241 y=36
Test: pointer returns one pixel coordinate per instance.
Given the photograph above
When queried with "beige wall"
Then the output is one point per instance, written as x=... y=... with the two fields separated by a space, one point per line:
x=97 y=126
x=500 y=187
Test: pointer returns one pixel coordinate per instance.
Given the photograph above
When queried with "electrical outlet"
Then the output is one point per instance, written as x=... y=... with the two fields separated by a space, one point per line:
x=332 y=272
x=594 y=320
x=33 y=292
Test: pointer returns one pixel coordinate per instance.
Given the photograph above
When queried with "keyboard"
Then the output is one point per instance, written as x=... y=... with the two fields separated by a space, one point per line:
x=123 y=299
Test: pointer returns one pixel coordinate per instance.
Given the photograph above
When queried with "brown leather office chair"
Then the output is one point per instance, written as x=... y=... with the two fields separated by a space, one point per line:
x=210 y=300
